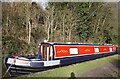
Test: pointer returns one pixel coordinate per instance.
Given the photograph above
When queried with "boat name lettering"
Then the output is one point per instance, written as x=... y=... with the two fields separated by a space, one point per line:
x=105 y=49
x=23 y=62
x=60 y=51
x=87 y=50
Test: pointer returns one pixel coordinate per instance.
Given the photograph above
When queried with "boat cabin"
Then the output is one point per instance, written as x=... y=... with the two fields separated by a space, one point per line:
x=50 y=51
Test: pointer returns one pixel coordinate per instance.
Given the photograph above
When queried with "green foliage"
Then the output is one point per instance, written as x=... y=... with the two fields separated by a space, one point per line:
x=13 y=45
x=37 y=34
x=27 y=24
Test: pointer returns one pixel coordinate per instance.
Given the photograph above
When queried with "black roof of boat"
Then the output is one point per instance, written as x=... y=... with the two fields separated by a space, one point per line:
x=73 y=43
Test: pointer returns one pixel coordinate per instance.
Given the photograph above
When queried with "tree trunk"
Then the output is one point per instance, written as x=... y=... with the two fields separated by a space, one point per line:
x=48 y=32
x=28 y=24
x=48 y=29
x=29 y=36
x=52 y=21
x=70 y=35
x=97 y=25
x=63 y=28
x=102 y=29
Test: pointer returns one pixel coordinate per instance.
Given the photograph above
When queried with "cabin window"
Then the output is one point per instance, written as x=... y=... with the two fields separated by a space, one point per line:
x=73 y=51
x=110 y=49
x=44 y=50
x=51 y=52
x=41 y=49
x=96 y=49
x=47 y=53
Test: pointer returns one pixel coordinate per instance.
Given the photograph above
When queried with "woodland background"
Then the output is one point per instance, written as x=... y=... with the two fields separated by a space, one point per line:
x=26 y=24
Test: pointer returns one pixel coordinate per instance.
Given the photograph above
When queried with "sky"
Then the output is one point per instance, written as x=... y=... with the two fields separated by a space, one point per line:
x=43 y=3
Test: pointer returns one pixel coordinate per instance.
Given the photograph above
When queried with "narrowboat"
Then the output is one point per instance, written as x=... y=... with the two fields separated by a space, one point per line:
x=51 y=54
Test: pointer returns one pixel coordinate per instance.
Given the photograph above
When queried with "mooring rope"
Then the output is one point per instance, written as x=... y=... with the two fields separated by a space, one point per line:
x=7 y=70
x=10 y=67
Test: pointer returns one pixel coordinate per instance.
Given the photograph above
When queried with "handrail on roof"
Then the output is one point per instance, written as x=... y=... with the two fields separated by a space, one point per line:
x=72 y=43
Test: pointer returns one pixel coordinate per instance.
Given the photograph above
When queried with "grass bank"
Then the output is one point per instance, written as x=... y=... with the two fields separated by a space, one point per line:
x=78 y=69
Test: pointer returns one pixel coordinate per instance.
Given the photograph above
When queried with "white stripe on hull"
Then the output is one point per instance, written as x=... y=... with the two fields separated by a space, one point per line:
x=52 y=63
x=18 y=62
x=27 y=63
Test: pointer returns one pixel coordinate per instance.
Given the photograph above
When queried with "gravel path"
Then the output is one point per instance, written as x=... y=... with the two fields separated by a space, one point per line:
x=109 y=69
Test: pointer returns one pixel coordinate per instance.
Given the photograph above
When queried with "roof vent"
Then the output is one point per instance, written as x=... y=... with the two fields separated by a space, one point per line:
x=45 y=40
x=68 y=42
